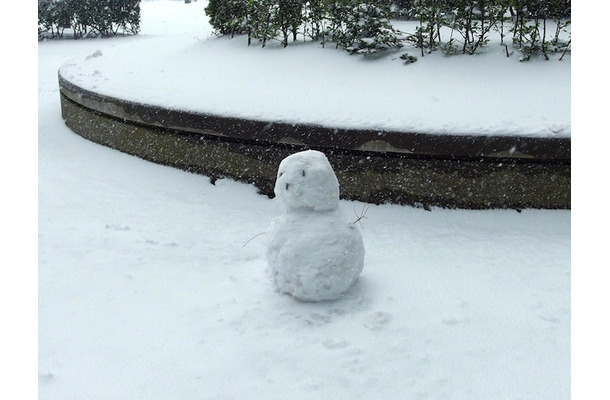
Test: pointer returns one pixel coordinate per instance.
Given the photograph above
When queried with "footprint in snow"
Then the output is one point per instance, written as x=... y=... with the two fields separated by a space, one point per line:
x=334 y=343
x=116 y=227
x=376 y=320
x=454 y=320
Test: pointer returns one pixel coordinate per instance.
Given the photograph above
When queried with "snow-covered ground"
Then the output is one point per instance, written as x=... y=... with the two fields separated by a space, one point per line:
x=149 y=286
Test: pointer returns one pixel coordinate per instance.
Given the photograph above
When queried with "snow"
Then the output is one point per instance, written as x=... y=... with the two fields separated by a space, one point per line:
x=152 y=282
x=487 y=94
x=314 y=253
x=306 y=181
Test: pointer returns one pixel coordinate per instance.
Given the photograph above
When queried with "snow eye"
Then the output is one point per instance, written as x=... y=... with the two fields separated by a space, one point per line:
x=281 y=173
x=287 y=185
x=303 y=172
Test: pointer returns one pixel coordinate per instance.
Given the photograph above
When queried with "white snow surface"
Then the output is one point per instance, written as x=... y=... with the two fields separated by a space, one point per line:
x=177 y=62
x=314 y=253
x=152 y=282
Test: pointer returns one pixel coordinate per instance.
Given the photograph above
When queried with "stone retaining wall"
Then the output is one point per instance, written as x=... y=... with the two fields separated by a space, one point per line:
x=455 y=171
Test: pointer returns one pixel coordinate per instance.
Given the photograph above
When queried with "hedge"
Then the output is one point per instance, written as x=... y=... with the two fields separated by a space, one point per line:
x=453 y=26
x=87 y=17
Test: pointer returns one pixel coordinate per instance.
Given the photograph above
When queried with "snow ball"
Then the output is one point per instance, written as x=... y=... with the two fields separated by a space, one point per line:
x=314 y=256
x=306 y=181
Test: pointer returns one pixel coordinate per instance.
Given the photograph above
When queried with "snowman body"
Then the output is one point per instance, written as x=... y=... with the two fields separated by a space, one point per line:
x=313 y=252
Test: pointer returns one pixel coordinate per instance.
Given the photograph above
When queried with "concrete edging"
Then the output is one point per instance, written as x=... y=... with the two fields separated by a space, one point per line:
x=453 y=171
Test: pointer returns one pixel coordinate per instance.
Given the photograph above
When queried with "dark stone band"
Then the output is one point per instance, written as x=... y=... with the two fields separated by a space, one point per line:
x=455 y=171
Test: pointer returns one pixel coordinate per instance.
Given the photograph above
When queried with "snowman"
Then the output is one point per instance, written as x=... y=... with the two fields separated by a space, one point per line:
x=313 y=252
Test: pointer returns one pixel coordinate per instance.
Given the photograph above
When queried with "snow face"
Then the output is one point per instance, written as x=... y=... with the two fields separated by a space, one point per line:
x=306 y=181
x=313 y=253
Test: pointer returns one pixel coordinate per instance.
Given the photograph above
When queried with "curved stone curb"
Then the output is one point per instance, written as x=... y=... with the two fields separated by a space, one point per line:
x=372 y=166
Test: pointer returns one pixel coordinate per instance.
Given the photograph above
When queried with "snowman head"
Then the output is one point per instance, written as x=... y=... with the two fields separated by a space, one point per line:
x=306 y=181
